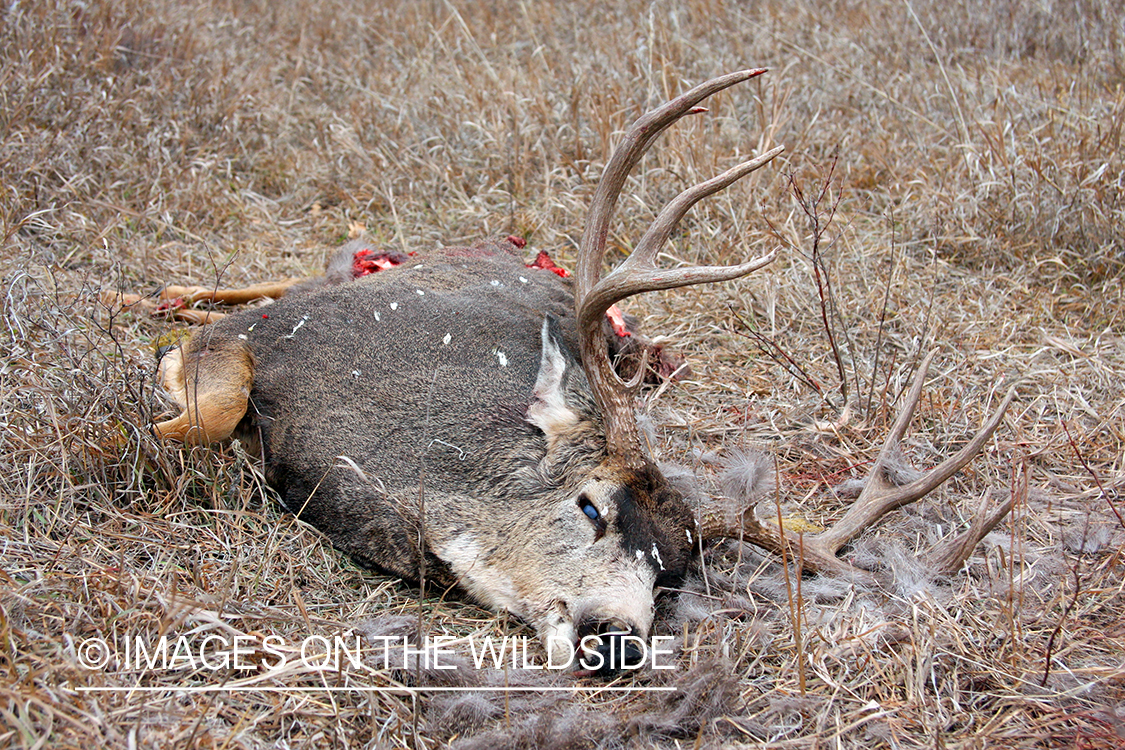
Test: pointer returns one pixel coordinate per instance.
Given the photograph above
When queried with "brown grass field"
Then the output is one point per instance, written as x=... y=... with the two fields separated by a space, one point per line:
x=965 y=168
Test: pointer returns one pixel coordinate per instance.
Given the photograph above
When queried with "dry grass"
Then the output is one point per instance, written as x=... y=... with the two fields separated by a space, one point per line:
x=979 y=177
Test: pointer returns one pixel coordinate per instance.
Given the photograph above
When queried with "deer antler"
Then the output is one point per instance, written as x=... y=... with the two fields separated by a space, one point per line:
x=817 y=552
x=639 y=272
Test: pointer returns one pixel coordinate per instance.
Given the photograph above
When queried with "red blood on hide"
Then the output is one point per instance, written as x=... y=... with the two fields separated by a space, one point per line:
x=170 y=305
x=366 y=262
x=617 y=320
x=544 y=262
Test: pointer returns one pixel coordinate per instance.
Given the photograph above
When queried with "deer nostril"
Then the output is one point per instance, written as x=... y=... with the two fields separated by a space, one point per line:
x=606 y=648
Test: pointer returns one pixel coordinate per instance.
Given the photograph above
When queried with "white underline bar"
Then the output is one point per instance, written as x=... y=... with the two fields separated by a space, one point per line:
x=360 y=689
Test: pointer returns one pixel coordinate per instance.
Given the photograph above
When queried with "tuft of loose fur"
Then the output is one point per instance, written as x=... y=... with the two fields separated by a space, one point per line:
x=684 y=481
x=897 y=470
x=747 y=475
x=704 y=695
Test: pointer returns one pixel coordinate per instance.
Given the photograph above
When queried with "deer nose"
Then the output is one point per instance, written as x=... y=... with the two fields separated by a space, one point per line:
x=605 y=648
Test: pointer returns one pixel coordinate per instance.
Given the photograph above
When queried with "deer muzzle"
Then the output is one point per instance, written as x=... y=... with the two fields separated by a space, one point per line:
x=605 y=648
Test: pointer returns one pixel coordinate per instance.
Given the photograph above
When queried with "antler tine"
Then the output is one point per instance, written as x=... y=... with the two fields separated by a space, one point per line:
x=633 y=146
x=947 y=557
x=905 y=413
x=639 y=273
x=879 y=496
x=645 y=251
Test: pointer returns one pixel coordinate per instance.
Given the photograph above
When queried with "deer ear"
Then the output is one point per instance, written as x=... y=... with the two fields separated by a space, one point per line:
x=549 y=410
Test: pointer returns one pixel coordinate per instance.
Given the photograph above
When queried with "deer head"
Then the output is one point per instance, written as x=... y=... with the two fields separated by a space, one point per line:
x=626 y=483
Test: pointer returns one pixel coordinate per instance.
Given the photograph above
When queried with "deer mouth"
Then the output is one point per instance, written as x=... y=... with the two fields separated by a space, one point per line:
x=607 y=647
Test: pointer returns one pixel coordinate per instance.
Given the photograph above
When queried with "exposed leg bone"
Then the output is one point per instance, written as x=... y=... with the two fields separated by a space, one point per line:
x=175 y=301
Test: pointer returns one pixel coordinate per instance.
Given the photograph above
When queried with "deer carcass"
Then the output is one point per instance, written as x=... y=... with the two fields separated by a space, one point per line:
x=460 y=420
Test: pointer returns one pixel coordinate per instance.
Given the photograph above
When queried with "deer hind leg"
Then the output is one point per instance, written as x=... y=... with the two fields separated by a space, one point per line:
x=175 y=301
x=241 y=296
x=209 y=376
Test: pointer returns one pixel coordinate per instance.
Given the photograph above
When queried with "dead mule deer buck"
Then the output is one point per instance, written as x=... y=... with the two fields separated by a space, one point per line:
x=460 y=419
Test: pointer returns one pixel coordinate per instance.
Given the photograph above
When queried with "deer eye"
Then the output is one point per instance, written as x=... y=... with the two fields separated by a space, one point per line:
x=592 y=513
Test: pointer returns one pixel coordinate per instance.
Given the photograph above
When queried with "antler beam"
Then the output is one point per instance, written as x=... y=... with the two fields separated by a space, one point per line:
x=639 y=272
x=818 y=552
